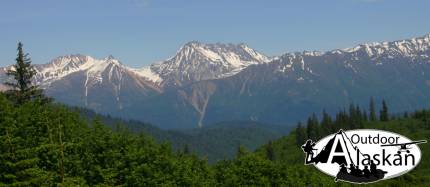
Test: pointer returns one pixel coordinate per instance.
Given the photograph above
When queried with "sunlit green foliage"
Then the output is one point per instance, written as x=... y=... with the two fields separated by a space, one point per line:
x=48 y=145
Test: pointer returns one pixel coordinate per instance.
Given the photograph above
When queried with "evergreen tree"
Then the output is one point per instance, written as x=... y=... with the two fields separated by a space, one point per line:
x=22 y=72
x=241 y=151
x=342 y=120
x=312 y=129
x=372 y=110
x=270 y=153
x=384 y=112
x=327 y=126
x=186 y=149
x=359 y=117
x=300 y=134
x=364 y=117
x=352 y=118
x=405 y=115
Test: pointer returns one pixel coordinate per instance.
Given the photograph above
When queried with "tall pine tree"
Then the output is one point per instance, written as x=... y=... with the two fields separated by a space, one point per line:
x=186 y=150
x=384 y=112
x=22 y=89
x=372 y=110
x=241 y=151
x=270 y=152
x=300 y=134
x=327 y=126
x=312 y=129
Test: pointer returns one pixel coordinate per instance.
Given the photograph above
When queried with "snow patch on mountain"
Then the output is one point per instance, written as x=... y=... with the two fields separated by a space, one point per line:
x=418 y=48
x=66 y=65
x=194 y=61
x=411 y=47
x=148 y=74
x=197 y=61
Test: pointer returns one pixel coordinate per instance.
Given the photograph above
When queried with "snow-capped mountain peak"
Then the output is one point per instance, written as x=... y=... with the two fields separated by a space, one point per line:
x=232 y=54
x=110 y=57
x=407 y=47
x=194 y=61
x=199 y=61
x=107 y=86
x=66 y=65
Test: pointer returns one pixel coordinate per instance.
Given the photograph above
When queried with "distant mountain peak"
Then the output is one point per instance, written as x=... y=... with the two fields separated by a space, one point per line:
x=405 y=47
x=110 y=57
x=63 y=66
x=78 y=55
x=197 y=61
x=273 y=90
x=425 y=37
x=192 y=43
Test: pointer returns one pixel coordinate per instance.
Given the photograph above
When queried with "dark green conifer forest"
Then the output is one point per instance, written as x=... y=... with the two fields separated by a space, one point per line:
x=43 y=143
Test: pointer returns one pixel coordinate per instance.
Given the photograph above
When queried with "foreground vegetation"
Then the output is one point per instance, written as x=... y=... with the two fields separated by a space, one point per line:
x=47 y=144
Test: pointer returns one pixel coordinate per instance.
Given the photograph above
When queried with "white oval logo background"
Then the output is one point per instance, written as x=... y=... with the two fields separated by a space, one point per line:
x=371 y=149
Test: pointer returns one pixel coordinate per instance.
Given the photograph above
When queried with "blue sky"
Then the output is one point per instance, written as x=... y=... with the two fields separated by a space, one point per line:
x=140 y=32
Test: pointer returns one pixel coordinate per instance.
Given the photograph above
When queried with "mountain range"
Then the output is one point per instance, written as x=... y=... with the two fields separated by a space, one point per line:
x=204 y=84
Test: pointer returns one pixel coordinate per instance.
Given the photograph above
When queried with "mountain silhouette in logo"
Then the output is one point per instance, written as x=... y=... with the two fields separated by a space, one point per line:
x=325 y=153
